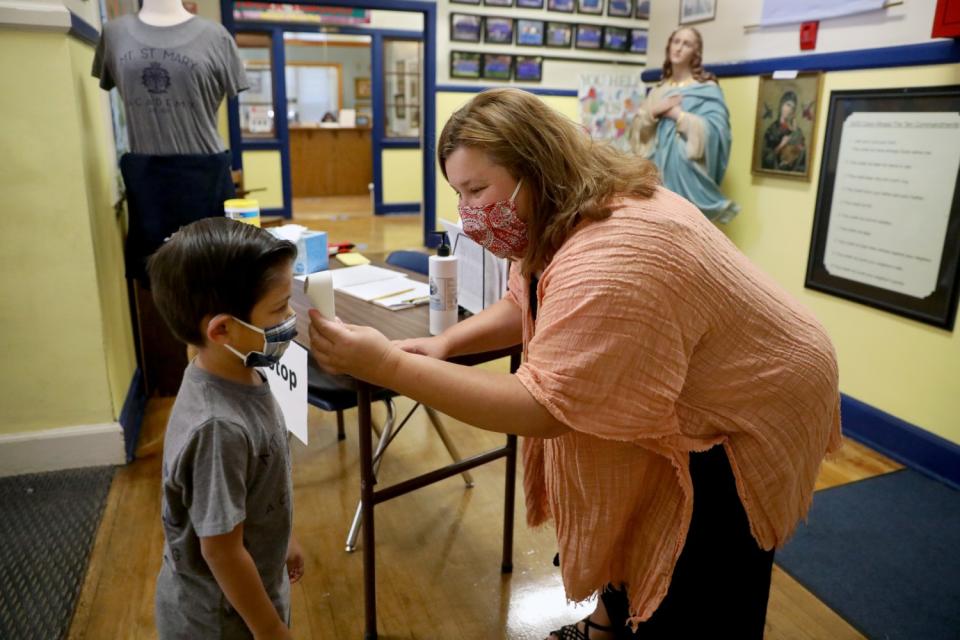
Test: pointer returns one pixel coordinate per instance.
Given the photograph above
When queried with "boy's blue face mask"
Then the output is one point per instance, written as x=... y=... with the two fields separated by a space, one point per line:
x=276 y=339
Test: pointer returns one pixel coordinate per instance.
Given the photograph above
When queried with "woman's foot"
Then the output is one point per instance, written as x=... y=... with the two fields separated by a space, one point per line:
x=595 y=626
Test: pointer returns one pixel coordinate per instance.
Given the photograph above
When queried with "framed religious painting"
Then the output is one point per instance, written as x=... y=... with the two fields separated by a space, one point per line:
x=886 y=227
x=785 y=131
x=692 y=11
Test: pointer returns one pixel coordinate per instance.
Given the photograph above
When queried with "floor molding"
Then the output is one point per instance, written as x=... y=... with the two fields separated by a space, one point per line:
x=900 y=440
x=61 y=448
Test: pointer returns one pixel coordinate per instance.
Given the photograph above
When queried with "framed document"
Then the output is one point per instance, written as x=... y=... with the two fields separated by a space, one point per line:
x=692 y=11
x=530 y=33
x=559 y=34
x=886 y=230
x=498 y=30
x=464 y=64
x=465 y=28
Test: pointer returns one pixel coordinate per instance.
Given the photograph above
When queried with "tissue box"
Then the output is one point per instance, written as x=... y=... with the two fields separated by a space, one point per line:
x=311 y=253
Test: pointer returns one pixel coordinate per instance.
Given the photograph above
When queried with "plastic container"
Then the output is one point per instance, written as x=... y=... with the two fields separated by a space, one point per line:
x=244 y=210
x=442 y=269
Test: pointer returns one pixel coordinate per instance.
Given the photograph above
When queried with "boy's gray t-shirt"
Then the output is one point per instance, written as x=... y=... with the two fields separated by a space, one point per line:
x=171 y=80
x=226 y=460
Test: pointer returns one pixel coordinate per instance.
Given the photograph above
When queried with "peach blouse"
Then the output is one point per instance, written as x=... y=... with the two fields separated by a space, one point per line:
x=655 y=336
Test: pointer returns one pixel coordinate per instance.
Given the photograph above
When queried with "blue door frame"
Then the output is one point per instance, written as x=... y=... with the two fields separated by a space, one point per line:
x=281 y=142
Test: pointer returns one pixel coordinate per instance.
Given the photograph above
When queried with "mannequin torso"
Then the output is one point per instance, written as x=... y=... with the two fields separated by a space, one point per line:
x=164 y=13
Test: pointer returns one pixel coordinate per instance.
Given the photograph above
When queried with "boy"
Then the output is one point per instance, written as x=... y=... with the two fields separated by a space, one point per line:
x=229 y=555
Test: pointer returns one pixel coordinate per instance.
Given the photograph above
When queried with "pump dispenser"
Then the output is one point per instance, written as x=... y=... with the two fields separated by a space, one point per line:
x=443 y=287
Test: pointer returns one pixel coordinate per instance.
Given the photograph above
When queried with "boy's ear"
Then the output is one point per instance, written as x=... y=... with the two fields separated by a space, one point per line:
x=217 y=328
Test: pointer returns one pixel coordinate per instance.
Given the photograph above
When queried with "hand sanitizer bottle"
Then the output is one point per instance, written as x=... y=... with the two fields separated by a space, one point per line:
x=443 y=287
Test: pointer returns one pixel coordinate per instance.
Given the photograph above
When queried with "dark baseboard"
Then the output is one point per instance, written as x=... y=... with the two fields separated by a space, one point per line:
x=902 y=441
x=131 y=415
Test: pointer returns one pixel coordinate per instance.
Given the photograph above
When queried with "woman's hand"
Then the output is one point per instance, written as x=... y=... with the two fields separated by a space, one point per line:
x=666 y=104
x=361 y=352
x=435 y=347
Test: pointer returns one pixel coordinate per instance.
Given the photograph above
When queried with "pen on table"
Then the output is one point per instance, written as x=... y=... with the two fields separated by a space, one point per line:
x=392 y=294
x=416 y=300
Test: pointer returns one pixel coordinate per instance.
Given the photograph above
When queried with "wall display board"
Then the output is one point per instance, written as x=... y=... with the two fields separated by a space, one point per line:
x=886 y=230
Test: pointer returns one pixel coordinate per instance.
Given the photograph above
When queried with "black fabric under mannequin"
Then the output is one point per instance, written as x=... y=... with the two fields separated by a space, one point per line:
x=165 y=193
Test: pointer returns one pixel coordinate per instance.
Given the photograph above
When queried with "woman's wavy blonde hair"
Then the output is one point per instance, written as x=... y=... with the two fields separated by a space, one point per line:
x=572 y=177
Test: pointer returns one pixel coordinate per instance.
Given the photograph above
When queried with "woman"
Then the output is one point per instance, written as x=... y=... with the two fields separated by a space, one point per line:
x=684 y=127
x=648 y=339
x=784 y=148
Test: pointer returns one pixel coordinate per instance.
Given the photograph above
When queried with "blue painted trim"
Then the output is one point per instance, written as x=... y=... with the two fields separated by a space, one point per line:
x=399 y=143
x=301 y=27
x=274 y=211
x=459 y=88
x=83 y=30
x=939 y=52
x=262 y=145
x=131 y=415
x=278 y=67
x=900 y=440
x=429 y=121
x=399 y=207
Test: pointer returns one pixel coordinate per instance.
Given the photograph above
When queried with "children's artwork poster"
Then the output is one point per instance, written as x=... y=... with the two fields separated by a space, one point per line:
x=608 y=103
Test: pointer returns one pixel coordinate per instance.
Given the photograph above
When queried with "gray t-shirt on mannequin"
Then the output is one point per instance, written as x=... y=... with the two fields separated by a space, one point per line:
x=171 y=80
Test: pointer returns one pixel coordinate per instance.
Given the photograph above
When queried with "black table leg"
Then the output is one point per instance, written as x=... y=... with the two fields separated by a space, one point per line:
x=509 y=489
x=367 y=481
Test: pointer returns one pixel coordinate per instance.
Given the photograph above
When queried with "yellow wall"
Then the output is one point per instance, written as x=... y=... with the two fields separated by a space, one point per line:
x=447 y=103
x=66 y=344
x=900 y=366
x=262 y=169
x=402 y=175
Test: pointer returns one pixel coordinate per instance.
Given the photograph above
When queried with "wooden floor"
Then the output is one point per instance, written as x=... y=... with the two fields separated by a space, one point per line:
x=438 y=551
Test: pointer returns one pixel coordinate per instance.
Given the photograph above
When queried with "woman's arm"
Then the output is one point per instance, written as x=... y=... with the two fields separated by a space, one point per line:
x=237 y=575
x=492 y=401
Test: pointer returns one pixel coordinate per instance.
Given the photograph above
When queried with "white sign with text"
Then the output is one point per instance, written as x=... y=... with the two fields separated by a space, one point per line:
x=288 y=382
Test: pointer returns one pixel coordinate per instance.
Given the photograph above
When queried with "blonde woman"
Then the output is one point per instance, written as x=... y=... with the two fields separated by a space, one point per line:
x=675 y=404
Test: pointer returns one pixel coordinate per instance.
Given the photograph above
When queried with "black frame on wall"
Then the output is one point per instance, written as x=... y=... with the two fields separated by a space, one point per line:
x=940 y=307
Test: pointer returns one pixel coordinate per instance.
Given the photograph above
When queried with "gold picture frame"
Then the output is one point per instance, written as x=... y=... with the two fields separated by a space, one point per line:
x=362 y=88
x=785 y=132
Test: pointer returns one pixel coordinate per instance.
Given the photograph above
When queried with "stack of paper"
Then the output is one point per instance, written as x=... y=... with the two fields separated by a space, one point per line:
x=384 y=287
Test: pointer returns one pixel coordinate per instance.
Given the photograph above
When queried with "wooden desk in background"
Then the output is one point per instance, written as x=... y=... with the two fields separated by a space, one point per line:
x=398 y=325
x=330 y=161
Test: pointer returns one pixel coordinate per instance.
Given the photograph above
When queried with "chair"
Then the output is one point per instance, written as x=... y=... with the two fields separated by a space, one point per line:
x=339 y=393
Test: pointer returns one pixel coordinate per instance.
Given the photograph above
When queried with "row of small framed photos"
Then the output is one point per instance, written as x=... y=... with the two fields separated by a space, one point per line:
x=467 y=65
x=639 y=9
x=538 y=33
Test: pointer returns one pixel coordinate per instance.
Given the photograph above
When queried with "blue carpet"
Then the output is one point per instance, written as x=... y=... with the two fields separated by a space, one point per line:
x=884 y=553
x=48 y=522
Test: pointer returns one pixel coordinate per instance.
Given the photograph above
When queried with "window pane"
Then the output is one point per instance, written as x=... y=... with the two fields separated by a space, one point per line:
x=256 y=104
x=402 y=86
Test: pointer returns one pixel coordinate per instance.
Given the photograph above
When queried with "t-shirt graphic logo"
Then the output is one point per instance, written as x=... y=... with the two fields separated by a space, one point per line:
x=155 y=78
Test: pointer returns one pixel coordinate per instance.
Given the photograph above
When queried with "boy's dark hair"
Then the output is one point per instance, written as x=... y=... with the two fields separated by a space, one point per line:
x=212 y=266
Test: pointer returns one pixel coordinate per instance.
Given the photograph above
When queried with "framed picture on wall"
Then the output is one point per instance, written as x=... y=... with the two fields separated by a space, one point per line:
x=622 y=8
x=498 y=30
x=563 y=6
x=594 y=7
x=638 y=40
x=465 y=1
x=642 y=10
x=498 y=3
x=616 y=38
x=786 y=127
x=464 y=64
x=528 y=68
x=530 y=4
x=465 y=28
x=530 y=33
x=589 y=36
x=497 y=66
x=886 y=227
x=696 y=11
x=362 y=88
x=559 y=34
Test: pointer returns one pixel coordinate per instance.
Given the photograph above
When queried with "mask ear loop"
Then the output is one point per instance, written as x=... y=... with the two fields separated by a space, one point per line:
x=516 y=191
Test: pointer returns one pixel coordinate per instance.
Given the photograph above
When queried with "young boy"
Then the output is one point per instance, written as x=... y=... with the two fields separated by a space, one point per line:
x=230 y=556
